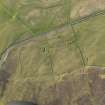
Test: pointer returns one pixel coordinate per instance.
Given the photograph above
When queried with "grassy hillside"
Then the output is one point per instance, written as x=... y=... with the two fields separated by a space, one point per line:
x=51 y=66
x=91 y=35
x=18 y=18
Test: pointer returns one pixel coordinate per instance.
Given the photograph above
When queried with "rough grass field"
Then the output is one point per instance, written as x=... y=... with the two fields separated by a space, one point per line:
x=52 y=51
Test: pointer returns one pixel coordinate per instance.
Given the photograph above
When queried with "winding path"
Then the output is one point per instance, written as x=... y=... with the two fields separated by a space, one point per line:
x=4 y=54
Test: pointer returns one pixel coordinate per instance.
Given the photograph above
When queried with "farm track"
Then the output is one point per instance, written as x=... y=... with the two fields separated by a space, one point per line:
x=4 y=54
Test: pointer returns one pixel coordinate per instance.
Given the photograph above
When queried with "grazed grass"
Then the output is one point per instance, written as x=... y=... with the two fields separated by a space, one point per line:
x=91 y=35
x=42 y=62
x=15 y=12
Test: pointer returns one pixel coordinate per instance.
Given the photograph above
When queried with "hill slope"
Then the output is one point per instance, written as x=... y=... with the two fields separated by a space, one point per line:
x=52 y=52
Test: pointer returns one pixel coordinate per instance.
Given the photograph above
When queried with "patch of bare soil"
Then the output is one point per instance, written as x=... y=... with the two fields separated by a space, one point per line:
x=84 y=89
x=6 y=72
x=86 y=7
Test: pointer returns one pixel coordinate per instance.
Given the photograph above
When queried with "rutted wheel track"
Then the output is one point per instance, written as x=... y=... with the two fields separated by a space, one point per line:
x=5 y=53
